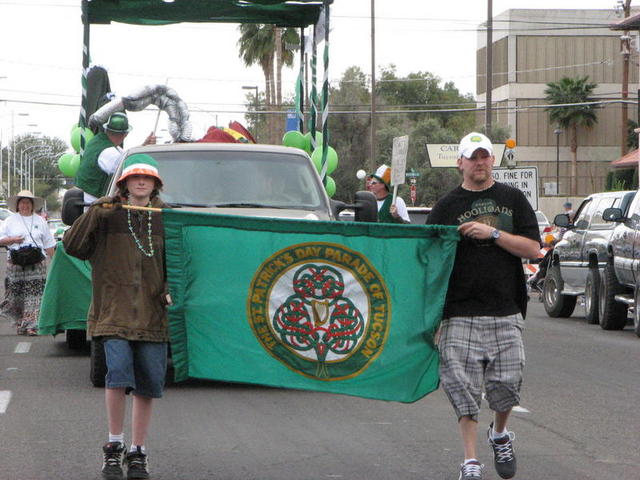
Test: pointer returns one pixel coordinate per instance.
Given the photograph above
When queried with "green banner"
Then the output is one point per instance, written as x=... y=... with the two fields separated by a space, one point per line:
x=283 y=13
x=337 y=307
x=67 y=294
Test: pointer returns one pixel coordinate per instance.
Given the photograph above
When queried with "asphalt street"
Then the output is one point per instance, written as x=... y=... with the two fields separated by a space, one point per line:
x=578 y=419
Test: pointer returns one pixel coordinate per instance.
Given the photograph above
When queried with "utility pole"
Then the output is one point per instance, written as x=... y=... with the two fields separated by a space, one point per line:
x=372 y=160
x=489 y=82
x=625 y=49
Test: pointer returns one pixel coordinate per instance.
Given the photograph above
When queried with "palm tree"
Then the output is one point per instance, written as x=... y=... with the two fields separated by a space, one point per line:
x=269 y=46
x=574 y=94
x=256 y=46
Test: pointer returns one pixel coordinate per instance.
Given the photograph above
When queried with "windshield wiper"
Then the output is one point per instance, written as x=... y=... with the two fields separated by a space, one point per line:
x=180 y=205
x=248 y=205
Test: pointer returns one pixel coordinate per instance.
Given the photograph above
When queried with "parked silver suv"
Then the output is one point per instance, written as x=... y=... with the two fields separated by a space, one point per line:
x=578 y=260
x=620 y=291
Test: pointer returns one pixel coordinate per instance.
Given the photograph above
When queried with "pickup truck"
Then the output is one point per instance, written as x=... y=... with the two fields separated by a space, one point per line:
x=621 y=279
x=578 y=260
x=232 y=179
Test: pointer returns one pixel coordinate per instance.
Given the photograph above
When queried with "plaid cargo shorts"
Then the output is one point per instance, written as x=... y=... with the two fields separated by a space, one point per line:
x=477 y=352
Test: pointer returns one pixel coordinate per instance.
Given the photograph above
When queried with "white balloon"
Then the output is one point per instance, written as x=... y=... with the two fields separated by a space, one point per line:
x=361 y=174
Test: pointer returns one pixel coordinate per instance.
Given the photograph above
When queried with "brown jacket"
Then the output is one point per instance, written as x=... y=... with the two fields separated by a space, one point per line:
x=129 y=288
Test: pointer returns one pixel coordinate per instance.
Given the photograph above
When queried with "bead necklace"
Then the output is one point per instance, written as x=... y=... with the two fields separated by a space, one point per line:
x=135 y=237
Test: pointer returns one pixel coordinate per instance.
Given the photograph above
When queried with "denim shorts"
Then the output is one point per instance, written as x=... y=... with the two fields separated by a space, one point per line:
x=139 y=367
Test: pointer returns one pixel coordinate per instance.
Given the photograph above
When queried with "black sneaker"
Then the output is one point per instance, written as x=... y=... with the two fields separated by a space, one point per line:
x=503 y=455
x=471 y=471
x=137 y=465
x=113 y=453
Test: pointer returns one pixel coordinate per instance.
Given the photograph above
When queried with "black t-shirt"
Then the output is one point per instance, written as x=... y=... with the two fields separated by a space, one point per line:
x=486 y=279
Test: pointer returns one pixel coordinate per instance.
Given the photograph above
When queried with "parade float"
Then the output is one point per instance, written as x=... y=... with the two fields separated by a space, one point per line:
x=268 y=289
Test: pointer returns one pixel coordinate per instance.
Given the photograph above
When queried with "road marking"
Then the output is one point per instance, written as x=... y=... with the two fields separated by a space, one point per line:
x=5 y=397
x=23 y=347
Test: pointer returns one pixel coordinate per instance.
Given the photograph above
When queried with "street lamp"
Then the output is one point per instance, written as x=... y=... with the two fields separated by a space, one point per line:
x=44 y=154
x=29 y=165
x=557 y=131
x=22 y=152
x=13 y=157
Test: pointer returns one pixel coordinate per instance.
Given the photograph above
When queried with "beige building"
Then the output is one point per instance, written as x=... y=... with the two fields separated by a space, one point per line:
x=534 y=47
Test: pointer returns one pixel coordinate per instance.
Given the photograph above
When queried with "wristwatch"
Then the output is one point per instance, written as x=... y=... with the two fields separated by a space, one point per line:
x=495 y=234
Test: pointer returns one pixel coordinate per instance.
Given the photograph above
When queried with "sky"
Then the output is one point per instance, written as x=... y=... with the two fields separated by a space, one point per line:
x=41 y=58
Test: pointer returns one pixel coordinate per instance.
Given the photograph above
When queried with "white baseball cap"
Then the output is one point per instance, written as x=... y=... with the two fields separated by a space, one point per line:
x=472 y=142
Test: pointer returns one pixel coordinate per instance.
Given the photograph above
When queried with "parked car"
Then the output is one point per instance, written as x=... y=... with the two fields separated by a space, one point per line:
x=4 y=213
x=620 y=282
x=417 y=215
x=231 y=179
x=543 y=222
x=57 y=228
x=578 y=260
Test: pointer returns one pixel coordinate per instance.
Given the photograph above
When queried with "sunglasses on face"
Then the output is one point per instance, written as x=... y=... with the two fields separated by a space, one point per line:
x=373 y=182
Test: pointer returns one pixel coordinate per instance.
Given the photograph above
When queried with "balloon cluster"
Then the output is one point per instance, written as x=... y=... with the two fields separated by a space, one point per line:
x=68 y=163
x=296 y=139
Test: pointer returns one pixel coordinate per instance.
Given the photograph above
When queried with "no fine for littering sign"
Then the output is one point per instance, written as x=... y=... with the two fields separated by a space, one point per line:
x=522 y=178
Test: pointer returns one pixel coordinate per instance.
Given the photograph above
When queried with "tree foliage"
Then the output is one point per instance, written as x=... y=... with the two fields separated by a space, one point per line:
x=574 y=94
x=350 y=127
x=350 y=133
x=632 y=136
x=272 y=48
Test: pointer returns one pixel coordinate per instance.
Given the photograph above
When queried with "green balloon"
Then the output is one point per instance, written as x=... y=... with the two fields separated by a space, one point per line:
x=64 y=164
x=75 y=137
x=330 y=187
x=332 y=159
x=318 y=140
x=294 y=138
x=74 y=164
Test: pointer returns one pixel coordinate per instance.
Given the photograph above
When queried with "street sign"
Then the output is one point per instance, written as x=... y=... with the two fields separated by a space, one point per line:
x=399 y=159
x=550 y=188
x=522 y=178
x=292 y=121
x=510 y=158
x=446 y=155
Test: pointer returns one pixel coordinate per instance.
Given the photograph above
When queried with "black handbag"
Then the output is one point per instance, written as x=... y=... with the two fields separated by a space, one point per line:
x=25 y=256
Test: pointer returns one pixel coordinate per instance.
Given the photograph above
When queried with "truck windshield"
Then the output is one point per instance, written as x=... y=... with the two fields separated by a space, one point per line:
x=237 y=179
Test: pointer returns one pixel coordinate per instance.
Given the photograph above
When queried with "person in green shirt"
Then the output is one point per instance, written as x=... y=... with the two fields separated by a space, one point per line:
x=102 y=156
x=379 y=184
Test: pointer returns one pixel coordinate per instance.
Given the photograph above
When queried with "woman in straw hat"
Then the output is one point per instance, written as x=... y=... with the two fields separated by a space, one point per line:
x=25 y=283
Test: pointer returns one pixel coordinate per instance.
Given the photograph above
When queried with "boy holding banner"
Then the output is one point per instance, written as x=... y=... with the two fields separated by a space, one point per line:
x=481 y=332
x=123 y=239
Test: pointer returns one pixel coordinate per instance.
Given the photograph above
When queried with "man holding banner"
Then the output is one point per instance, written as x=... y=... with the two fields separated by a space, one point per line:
x=481 y=333
x=103 y=155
